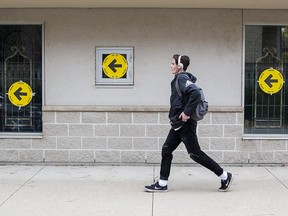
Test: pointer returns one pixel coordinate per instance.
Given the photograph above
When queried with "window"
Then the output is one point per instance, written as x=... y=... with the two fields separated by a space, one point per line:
x=114 y=66
x=266 y=98
x=20 y=73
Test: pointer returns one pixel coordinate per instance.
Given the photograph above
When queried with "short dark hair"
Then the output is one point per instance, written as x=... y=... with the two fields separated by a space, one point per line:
x=185 y=60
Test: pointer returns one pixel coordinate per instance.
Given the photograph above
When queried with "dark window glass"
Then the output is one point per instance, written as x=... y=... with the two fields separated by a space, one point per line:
x=21 y=62
x=266 y=101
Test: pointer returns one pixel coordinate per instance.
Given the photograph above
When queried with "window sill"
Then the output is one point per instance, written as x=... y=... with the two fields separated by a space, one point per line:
x=21 y=135
x=264 y=136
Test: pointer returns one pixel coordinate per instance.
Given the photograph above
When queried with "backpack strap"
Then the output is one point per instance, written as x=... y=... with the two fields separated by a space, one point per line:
x=177 y=85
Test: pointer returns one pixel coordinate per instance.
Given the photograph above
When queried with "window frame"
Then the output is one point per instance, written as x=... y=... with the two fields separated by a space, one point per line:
x=118 y=51
x=254 y=136
x=21 y=135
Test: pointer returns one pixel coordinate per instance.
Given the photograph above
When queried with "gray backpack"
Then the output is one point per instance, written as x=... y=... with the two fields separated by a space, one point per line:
x=202 y=108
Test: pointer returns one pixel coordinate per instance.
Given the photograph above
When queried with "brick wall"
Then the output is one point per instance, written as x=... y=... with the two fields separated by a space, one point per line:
x=112 y=135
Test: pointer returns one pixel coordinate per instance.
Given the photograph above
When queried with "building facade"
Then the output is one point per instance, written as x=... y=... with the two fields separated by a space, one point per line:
x=92 y=85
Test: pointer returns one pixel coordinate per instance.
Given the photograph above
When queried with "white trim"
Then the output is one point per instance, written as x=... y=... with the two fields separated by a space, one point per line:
x=21 y=23
x=265 y=137
x=243 y=69
x=43 y=66
x=266 y=24
x=21 y=135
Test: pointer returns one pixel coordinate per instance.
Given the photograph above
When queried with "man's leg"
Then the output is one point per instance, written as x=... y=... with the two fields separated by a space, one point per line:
x=172 y=141
x=190 y=140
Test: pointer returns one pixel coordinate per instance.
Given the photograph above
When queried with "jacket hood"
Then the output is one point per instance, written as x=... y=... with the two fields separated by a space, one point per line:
x=192 y=77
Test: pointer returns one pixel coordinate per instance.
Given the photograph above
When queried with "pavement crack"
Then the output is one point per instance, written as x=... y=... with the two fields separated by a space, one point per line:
x=21 y=187
x=277 y=178
x=153 y=193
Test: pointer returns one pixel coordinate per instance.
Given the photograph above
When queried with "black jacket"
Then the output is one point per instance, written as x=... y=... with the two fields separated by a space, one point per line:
x=190 y=98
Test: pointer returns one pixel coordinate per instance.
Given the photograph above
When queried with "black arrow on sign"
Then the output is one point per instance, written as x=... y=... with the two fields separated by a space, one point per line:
x=269 y=80
x=18 y=93
x=112 y=65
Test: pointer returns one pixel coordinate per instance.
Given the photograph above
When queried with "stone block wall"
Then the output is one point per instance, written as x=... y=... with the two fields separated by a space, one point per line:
x=135 y=136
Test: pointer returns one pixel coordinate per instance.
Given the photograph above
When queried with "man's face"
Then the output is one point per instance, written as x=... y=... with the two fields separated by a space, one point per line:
x=174 y=67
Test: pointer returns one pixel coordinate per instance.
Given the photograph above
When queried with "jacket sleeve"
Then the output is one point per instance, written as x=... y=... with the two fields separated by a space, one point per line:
x=191 y=95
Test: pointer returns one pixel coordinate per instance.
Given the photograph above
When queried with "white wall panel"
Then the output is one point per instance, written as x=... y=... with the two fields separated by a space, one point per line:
x=211 y=37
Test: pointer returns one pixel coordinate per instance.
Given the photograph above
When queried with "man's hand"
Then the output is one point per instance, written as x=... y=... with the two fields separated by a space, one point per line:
x=184 y=117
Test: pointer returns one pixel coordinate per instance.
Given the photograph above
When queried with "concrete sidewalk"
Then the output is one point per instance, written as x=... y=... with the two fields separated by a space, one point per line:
x=119 y=191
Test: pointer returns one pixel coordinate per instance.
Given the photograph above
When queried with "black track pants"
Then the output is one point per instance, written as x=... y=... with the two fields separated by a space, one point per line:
x=187 y=135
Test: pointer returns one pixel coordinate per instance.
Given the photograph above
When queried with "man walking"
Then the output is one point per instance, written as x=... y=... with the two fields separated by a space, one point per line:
x=183 y=128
